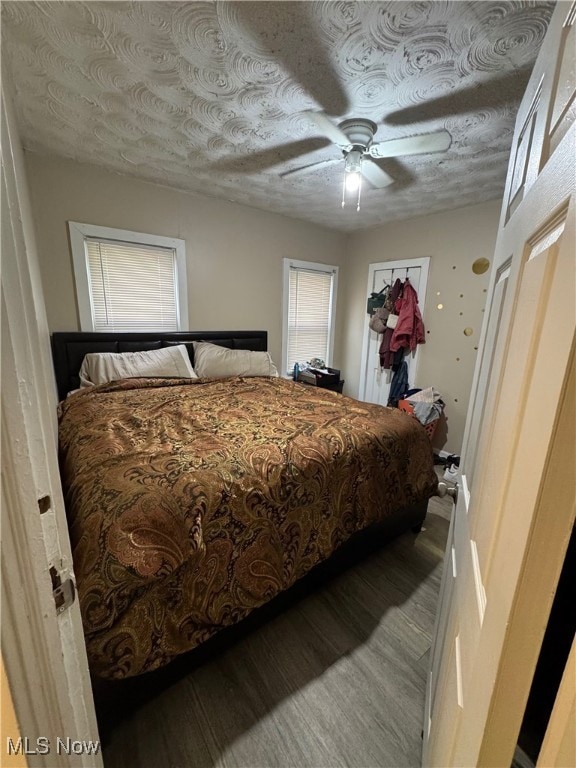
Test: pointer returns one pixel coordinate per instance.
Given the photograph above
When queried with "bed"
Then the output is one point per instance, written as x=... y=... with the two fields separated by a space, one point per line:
x=192 y=502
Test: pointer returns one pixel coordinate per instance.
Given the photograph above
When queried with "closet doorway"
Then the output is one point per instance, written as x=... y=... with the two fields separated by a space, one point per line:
x=374 y=380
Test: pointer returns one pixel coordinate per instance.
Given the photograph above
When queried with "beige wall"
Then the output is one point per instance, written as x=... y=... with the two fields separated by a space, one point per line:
x=234 y=253
x=453 y=240
x=234 y=256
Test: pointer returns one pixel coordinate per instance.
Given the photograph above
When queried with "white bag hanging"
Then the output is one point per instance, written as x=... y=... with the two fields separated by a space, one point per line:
x=392 y=321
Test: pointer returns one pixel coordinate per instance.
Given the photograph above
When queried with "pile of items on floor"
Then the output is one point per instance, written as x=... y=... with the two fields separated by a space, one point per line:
x=424 y=404
x=427 y=406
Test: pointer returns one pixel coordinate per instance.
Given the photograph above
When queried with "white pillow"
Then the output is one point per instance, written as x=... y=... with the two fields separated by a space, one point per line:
x=100 y=367
x=212 y=360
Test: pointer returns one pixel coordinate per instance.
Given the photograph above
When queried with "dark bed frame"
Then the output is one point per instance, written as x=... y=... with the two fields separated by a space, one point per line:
x=69 y=347
x=68 y=350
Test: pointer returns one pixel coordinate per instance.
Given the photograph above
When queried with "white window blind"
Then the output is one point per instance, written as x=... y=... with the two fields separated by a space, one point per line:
x=133 y=286
x=310 y=295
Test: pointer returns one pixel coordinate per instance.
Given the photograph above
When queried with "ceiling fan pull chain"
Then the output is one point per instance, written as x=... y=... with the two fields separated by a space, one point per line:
x=344 y=191
x=358 y=201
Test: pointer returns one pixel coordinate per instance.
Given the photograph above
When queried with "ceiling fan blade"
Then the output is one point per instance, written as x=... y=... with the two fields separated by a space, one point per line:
x=503 y=90
x=268 y=158
x=285 y=30
x=327 y=127
x=412 y=145
x=375 y=175
x=313 y=167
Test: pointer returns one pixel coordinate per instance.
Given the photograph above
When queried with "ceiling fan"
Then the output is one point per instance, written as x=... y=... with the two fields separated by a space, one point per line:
x=355 y=139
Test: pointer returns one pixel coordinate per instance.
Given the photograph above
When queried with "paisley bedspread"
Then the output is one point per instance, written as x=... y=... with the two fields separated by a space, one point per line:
x=192 y=502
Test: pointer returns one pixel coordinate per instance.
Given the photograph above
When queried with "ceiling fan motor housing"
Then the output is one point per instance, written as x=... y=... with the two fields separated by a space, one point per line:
x=359 y=131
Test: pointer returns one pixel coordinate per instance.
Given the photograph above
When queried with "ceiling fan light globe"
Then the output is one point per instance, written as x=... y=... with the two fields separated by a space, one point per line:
x=353 y=181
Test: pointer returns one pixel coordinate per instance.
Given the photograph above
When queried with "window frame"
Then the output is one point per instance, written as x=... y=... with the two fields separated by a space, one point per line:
x=313 y=266
x=80 y=232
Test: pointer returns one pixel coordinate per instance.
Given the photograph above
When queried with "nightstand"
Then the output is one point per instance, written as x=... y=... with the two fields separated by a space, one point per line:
x=335 y=386
x=323 y=378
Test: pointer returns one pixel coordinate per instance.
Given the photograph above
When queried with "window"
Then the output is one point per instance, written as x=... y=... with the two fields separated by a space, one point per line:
x=309 y=312
x=128 y=281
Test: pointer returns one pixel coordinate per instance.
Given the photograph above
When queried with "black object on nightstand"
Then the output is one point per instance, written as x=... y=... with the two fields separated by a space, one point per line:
x=327 y=378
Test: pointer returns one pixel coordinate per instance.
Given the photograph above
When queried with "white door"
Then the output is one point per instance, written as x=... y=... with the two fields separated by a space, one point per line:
x=42 y=648
x=374 y=380
x=515 y=507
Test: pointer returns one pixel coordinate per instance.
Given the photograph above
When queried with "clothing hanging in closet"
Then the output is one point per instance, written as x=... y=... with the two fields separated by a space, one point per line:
x=399 y=385
x=386 y=355
x=409 y=330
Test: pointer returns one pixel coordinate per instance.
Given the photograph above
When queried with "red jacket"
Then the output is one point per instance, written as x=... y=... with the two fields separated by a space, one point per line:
x=409 y=329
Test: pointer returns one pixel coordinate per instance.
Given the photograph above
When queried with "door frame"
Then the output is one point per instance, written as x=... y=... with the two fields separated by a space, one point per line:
x=424 y=263
x=559 y=745
x=43 y=651
x=535 y=531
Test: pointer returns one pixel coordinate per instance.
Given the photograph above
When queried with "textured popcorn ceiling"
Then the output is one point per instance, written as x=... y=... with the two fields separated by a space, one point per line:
x=208 y=97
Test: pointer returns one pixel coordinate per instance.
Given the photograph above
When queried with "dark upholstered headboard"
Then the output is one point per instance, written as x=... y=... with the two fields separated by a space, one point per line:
x=69 y=348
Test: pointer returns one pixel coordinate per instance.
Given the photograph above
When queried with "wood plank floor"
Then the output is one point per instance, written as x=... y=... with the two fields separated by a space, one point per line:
x=337 y=679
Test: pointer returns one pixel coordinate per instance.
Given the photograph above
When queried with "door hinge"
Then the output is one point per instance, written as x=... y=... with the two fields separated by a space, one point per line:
x=64 y=591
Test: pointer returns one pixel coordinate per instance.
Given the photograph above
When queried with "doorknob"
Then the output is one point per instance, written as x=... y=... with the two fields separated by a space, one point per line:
x=447 y=490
